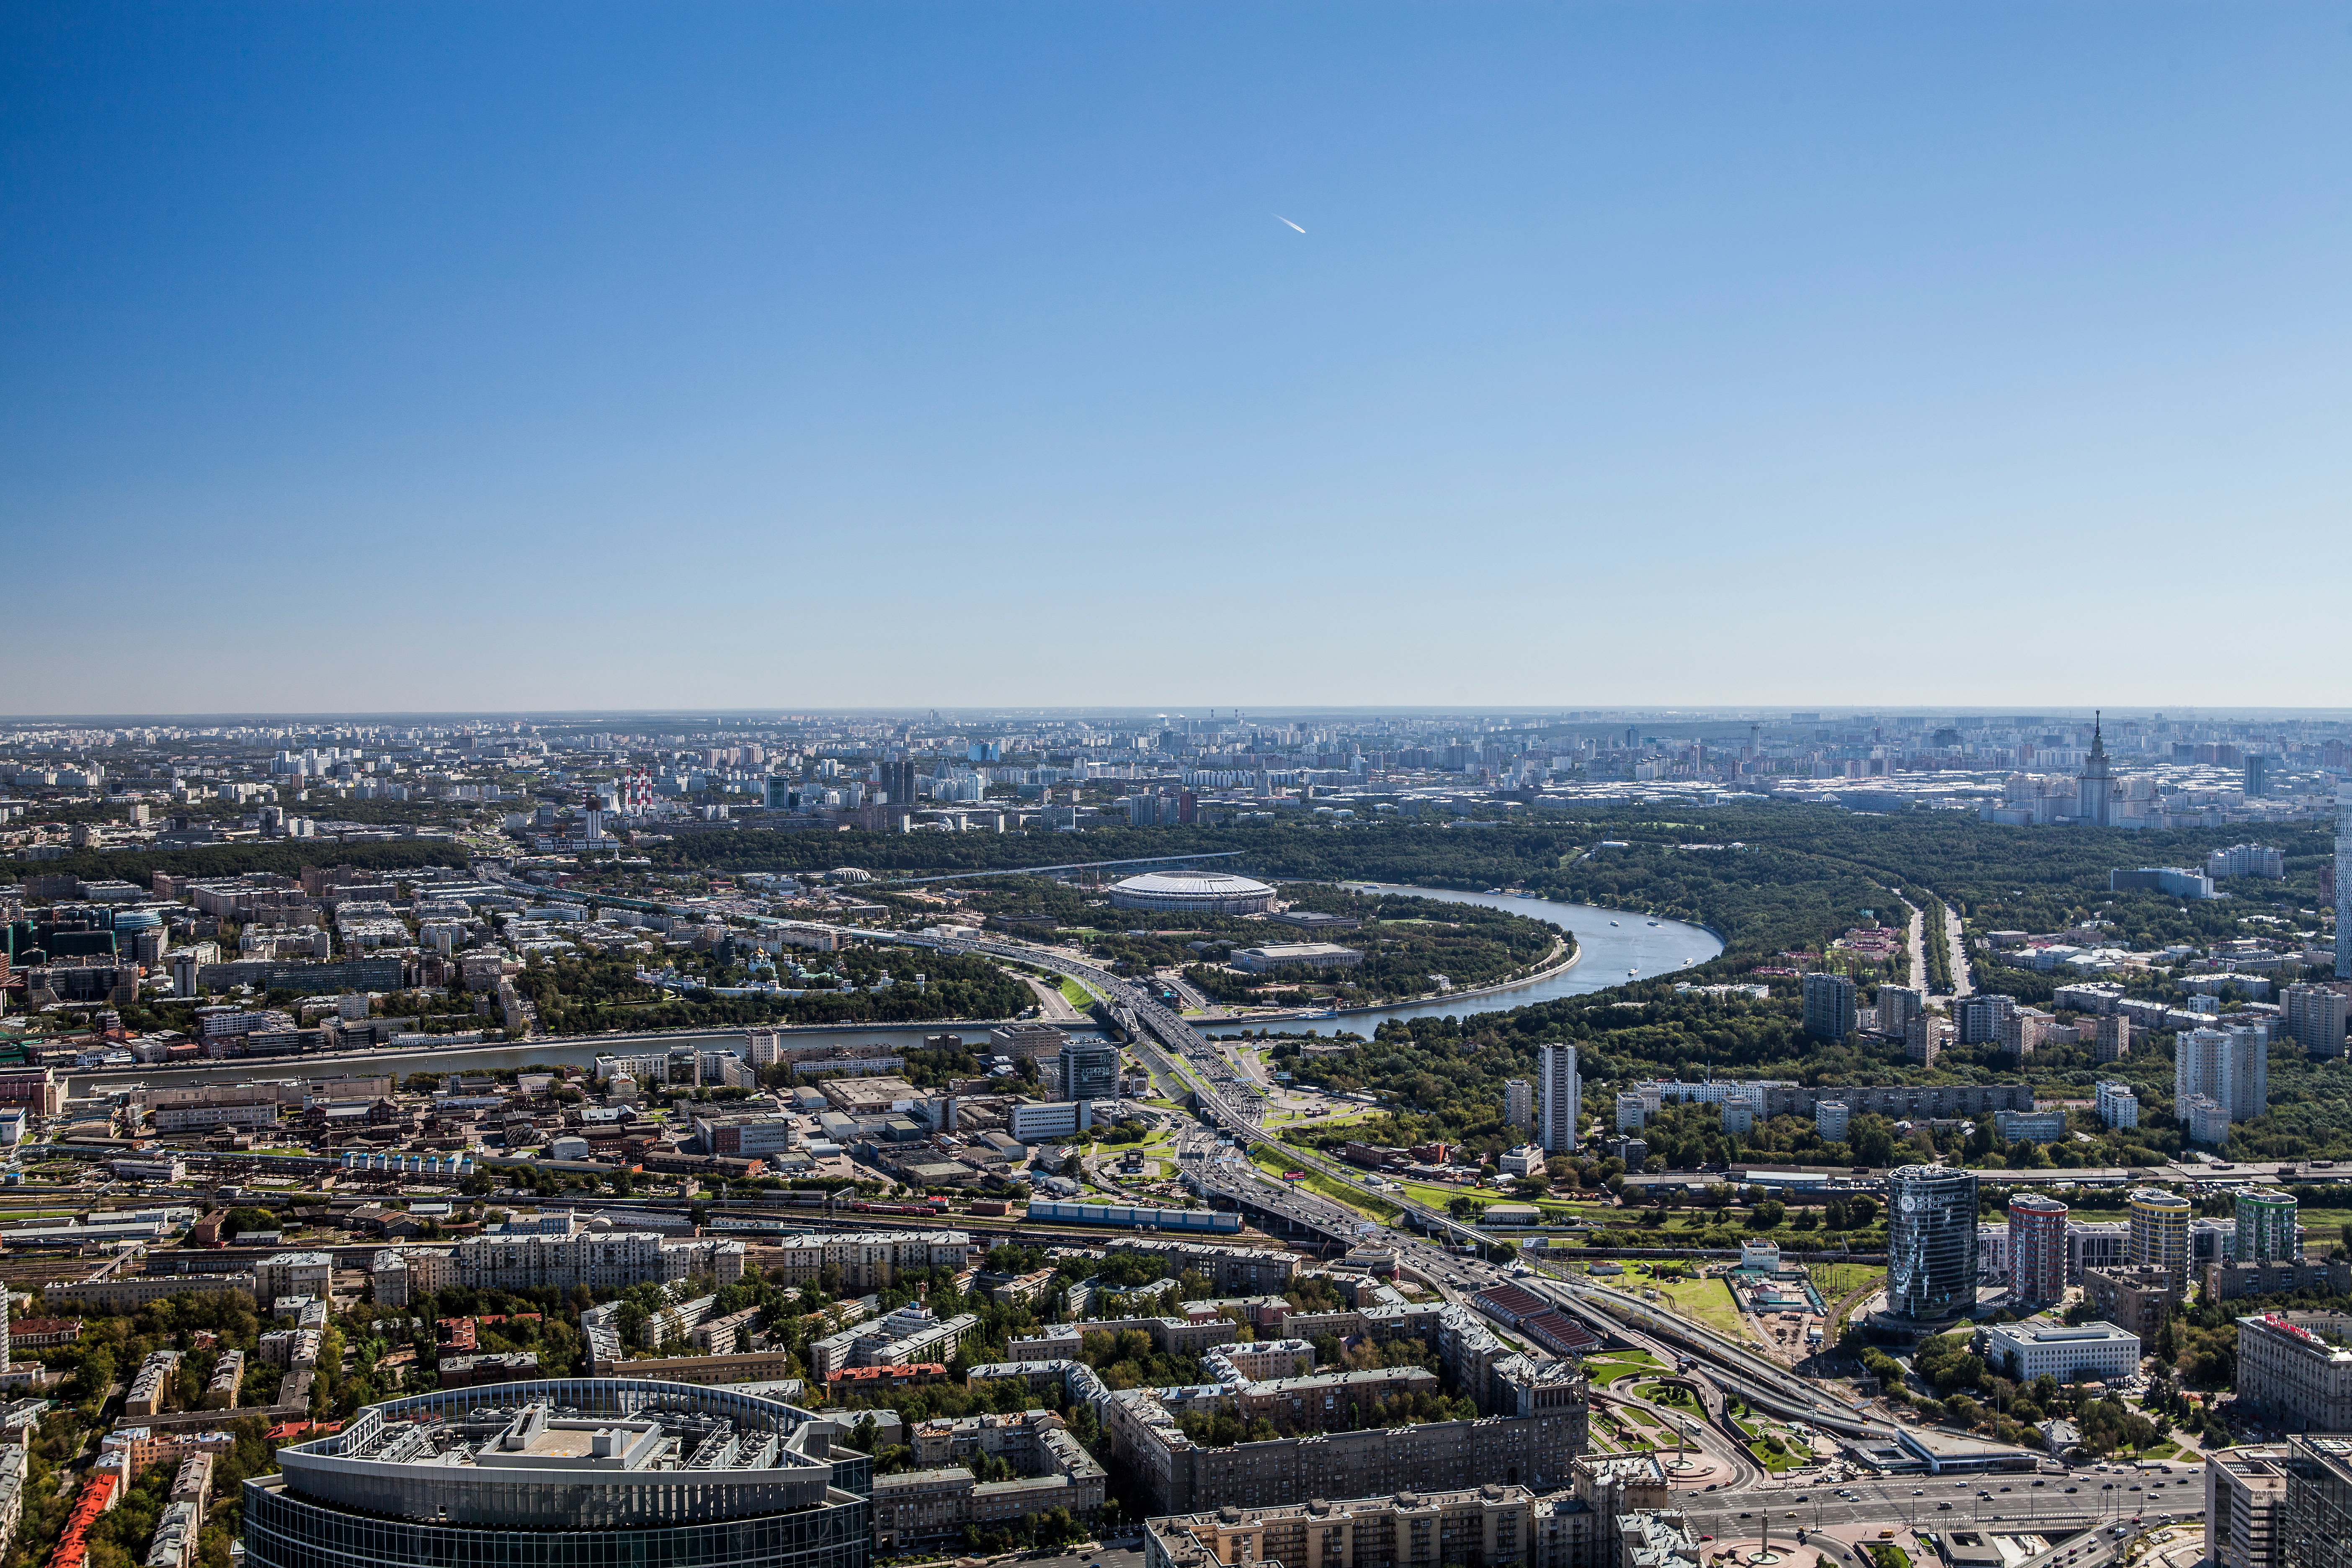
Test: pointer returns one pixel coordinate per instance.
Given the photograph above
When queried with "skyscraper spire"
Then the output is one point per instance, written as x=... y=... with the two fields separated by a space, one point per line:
x=2094 y=791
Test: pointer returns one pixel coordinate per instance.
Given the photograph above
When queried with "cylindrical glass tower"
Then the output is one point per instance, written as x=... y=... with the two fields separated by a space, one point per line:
x=1931 y=1242
x=2160 y=1230
x=2266 y=1227
x=2037 y=1248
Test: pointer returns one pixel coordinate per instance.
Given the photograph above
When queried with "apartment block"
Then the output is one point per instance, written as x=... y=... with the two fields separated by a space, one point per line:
x=2294 y=1369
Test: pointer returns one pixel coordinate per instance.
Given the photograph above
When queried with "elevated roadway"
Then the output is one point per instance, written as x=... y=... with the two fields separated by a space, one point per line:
x=1447 y=1253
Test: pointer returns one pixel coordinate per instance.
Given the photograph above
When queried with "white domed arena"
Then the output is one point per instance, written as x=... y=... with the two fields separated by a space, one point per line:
x=1193 y=892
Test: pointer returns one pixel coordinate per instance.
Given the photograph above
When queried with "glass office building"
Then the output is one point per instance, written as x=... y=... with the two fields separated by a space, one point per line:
x=568 y=1473
x=1931 y=1242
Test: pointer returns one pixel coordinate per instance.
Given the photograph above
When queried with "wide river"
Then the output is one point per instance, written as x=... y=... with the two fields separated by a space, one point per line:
x=1613 y=946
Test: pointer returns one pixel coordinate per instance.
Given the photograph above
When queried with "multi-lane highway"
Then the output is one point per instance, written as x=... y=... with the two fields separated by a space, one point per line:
x=2027 y=1502
x=1232 y=1103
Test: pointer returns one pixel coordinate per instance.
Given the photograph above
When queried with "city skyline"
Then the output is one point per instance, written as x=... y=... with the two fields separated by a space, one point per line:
x=789 y=359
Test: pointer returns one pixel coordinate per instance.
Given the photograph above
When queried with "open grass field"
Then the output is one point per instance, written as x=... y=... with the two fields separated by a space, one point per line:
x=1338 y=1191
x=1076 y=994
x=1437 y=1194
x=1605 y=1370
x=1834 y=1279
x=2324 y=1225
x=1709 y=1301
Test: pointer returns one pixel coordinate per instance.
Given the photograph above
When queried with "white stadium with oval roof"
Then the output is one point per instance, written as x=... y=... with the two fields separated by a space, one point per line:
x=1193 y=892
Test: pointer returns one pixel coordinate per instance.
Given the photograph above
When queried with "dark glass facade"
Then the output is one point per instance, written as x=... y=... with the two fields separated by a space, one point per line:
x=568 y=1473
x=1931 y=1241
x=286 y=1531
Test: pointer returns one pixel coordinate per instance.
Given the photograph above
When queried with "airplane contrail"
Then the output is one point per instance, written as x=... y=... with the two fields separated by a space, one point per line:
x=1279 y=218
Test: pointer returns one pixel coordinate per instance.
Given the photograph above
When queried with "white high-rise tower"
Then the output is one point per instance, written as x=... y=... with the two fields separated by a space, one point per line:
x=1563 y=1093
x=2344 y=884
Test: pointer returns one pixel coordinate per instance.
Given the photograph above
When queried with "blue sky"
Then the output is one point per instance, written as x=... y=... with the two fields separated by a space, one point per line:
x=415 y=356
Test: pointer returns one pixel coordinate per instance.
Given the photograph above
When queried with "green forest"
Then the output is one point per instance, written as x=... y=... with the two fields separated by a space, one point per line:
x=588 y=993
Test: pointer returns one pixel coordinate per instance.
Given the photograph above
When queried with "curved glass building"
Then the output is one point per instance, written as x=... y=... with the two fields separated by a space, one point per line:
x=568 y=1473
x=2160 y=1230
x=1931 y=1242
x=2266 y=1231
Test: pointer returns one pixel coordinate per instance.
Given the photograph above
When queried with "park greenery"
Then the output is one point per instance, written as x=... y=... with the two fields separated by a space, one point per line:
x=590 y=993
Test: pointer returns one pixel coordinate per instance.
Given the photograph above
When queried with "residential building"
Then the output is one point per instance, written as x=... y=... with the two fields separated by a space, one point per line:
x=1931 y=1241
x=1829 y=1007
x=2040 y=1346
x=1477 y=1527
x=1533 y=1427
x=2266 y=1231
x=2294 y=1370
x=2229 y=1065
x=1230 y=1269
x=1830 y=1120
x=911 y=1334
x=402 y=1275
x=2226 y=1281
x=2160 y=1230
x=2139 y=1298
x=1925 y=1038
x=2095 y=1244
x=1977 y=1020
x=1897 y=1006
x=1633 y=1112
x=2029 y=1126
x=2313 y=1018
x=2344 y=882
x=2245 y=860
x=1563 y=1095
x=150 y=1387
x=2113 y=1037
x=1992 y=1253
x=866 y=1260
x=310 y=1274
x=2205 y=1118
x=2118 y=1105
x=939 y=1498
x=2037 y=1248
x=1520 y=1103
x=2024 y=1031
x=564 y=1255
